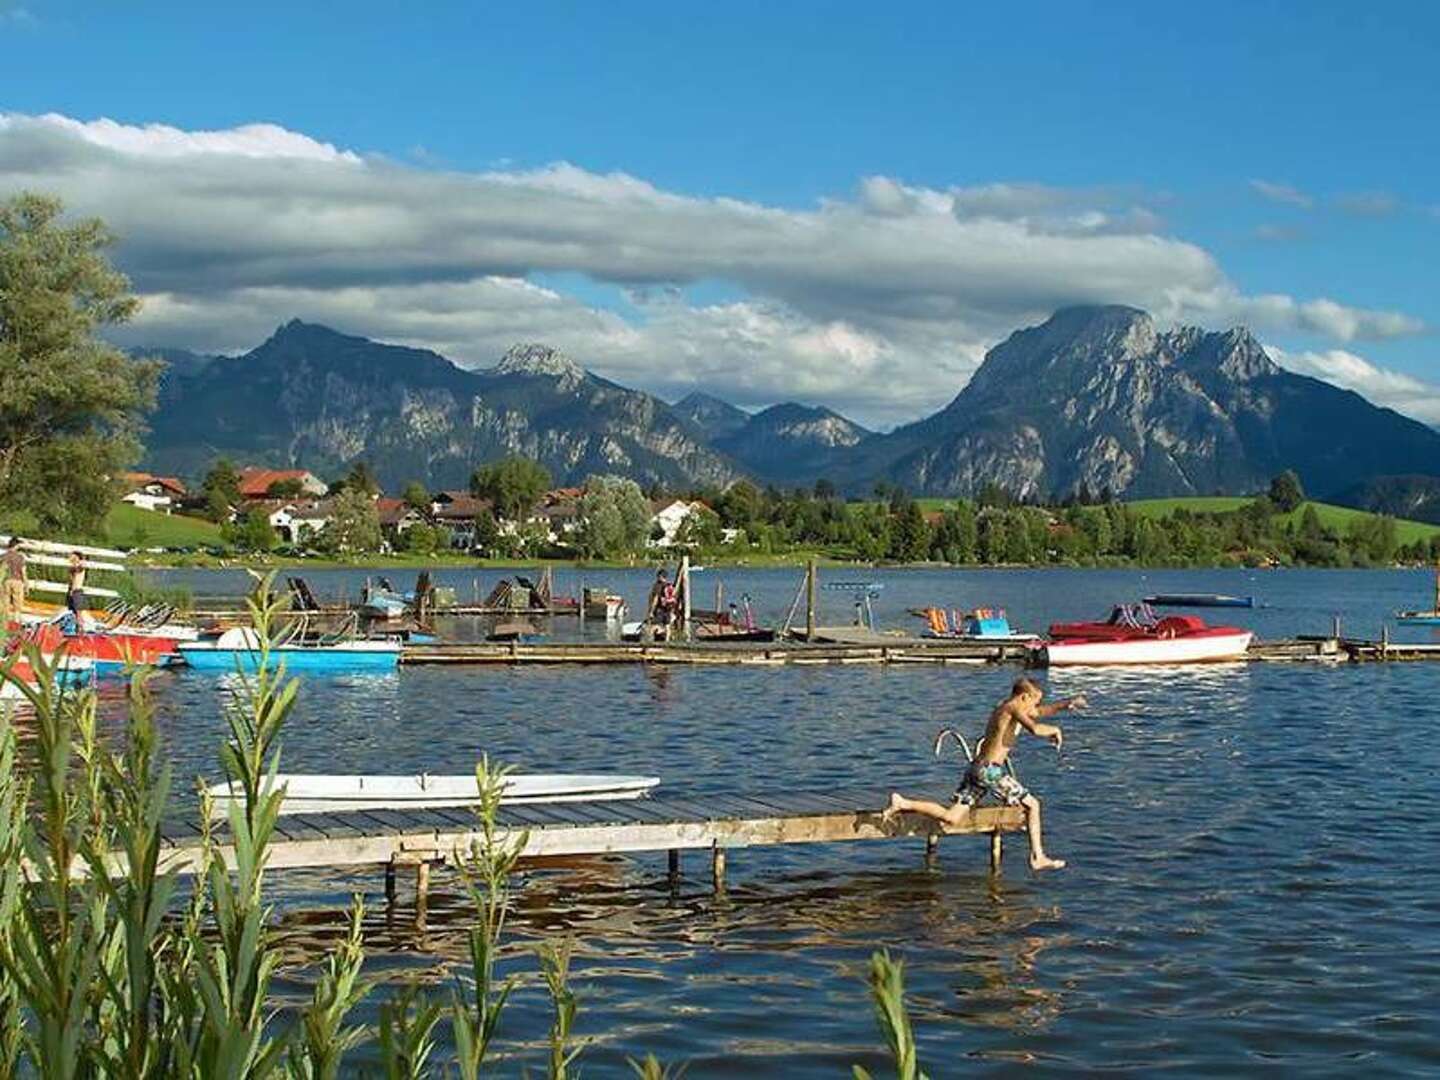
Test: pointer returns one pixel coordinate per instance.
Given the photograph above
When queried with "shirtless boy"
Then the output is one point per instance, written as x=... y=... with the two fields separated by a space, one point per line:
x=986 y=775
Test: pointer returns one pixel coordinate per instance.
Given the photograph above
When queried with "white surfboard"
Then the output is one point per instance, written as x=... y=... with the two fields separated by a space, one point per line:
x=320 y=794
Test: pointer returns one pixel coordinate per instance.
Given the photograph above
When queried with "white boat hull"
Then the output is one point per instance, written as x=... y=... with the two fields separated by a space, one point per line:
x=315 y=794
x=1212 y=648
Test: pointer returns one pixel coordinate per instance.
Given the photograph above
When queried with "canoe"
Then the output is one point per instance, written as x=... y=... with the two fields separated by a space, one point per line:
x=1211 y=645
x=1199 y=600
x=236 y=649
x=316 y=793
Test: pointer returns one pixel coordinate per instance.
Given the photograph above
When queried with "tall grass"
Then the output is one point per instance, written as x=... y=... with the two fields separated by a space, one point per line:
x=107 y=969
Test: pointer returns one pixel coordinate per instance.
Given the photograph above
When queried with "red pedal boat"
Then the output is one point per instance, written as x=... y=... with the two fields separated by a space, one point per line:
x=1134 y=635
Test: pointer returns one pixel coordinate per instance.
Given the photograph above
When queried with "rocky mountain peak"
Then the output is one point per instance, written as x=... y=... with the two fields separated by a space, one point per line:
x=536 y=359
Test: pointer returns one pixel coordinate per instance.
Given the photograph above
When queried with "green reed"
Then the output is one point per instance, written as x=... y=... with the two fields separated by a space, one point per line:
x=105 y=970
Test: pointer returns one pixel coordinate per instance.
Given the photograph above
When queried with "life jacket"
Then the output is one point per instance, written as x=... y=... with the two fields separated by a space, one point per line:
x=667 y=596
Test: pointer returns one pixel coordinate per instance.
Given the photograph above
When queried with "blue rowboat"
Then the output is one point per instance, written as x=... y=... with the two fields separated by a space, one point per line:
x=235 y=650
x=1199 y=600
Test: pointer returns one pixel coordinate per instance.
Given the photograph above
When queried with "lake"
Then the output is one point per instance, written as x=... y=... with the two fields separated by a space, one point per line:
x=1252 y=880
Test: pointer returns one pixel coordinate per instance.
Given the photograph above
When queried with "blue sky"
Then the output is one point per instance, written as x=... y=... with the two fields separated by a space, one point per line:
x=1293 y=144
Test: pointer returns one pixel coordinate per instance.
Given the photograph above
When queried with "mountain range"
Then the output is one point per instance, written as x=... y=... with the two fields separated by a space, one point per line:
x=1096 y=398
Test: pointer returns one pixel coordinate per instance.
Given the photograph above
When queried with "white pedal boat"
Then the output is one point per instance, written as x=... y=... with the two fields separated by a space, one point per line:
x=1213 y=647
x=319 y=794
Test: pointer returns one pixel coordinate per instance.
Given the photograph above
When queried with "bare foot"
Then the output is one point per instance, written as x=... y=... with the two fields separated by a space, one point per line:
x=1044 y=862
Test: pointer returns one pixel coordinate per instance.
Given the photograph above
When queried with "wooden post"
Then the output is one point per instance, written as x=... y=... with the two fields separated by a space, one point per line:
x=390 y=883
x=717 y=867
x=422 y=892
x=1335 y=626
x=673 y=869
x=997 y=849
x=685 y=597
x=1384 y=641
x=932 y=848
x=810 y=574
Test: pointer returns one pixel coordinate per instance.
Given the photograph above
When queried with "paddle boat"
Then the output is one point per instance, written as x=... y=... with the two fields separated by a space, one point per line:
x=1199 y=600
x=1423 y=618
x=382 y=601
x=599 y=603
x=69 y=671
x=239 y=649
x=109 y=651
x=1134 y=635
x=981 y=624
x=316 y=794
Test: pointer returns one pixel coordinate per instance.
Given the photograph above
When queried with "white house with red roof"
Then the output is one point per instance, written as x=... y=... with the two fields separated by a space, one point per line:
x=256 y=483
x=150 y=492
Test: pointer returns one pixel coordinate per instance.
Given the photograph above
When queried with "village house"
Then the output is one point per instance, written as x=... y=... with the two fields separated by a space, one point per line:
x=296 y=521
x=257 y=483
x=149 y=492
x=559 y=512
x=397 y=517
x=668 y=518
x=455 y=512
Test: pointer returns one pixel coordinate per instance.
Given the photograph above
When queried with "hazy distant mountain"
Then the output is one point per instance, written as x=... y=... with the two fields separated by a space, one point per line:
x=1098 y=396
x=711 y=416
x=311 y=396
x=791 y=444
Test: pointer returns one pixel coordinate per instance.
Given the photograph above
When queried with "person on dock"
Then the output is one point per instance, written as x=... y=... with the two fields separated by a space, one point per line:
x=75 y=587
x=660 y=610
x=13 y=597
x=986 y=774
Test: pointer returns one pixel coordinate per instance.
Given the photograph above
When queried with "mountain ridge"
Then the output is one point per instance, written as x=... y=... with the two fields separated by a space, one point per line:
x=1095 y=398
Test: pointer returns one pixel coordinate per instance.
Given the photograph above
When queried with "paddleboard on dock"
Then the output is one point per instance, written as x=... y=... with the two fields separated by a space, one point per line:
x=319 y=794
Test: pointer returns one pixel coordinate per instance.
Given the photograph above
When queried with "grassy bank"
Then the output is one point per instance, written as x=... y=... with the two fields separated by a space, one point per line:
x=1339 y=518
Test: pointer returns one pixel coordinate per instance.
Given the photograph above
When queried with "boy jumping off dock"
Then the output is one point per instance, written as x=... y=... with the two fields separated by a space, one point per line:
x=987 y=775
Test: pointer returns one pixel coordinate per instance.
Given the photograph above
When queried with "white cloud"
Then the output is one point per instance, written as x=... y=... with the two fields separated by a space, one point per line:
x=1284 y=194
x=1383 y=386
x=881 y=304
x=1368 y=203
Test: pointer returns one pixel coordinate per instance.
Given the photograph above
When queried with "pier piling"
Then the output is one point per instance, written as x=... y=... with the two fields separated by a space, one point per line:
x=717 y=867
x=997 y=850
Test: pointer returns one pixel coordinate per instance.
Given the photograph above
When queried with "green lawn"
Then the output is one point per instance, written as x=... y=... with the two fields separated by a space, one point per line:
x=130 y=527
x=1336 y=517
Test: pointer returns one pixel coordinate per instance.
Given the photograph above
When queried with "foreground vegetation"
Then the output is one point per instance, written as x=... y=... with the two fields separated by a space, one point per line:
x=108 y=969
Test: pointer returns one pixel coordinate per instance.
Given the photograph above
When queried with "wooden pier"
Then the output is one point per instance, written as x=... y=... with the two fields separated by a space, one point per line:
x=715 y=824
x=897 y=650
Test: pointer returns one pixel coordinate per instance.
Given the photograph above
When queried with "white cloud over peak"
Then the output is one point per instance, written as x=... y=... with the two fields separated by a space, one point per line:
x=880 y=305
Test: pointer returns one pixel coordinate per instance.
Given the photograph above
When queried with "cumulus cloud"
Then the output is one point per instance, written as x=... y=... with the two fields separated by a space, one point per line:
x=1284 y=194
x=881 y=303
x=1393 y=389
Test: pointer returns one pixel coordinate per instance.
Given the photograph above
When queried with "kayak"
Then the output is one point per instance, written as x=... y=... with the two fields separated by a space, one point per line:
x=315 y=793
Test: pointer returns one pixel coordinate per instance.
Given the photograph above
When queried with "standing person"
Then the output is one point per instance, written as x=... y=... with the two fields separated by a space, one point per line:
x=986 y=774
x=660 y=609
x=13 y=596
x=75 y=589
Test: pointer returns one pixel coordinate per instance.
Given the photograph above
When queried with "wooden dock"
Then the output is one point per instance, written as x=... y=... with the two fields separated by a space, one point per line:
x=898 y=650
x=716 y=824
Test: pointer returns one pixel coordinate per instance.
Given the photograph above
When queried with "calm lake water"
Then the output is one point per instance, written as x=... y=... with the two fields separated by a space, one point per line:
x=1252 y=885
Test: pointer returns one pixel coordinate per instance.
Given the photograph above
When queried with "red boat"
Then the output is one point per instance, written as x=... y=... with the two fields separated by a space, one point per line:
x=109 y=650
x=1134 y=635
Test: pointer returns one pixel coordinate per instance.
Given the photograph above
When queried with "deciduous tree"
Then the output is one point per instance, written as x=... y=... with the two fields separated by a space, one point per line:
x=71 y=404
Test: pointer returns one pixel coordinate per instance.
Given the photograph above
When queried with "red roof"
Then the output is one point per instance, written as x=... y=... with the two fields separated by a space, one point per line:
x=143 y=479
x=256 y=483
